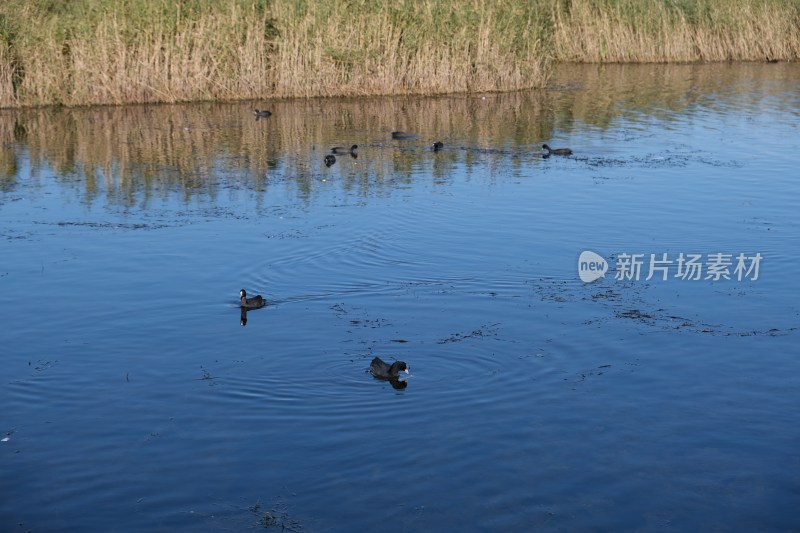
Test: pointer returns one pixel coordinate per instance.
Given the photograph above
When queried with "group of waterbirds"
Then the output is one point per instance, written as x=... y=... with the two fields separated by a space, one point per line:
x=330 y=159
x=378 y=368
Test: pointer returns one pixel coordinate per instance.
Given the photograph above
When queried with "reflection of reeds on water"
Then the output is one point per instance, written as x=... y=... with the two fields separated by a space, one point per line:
x=132 y=154
x=128 y=153
x=599 y=94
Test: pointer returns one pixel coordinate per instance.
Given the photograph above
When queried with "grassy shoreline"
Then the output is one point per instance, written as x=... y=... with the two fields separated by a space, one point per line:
x=55 y=52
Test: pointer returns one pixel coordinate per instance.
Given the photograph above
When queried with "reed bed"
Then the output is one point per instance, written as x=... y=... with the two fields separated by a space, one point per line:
x=654 y=31
x=102 y=52
x=139 y=51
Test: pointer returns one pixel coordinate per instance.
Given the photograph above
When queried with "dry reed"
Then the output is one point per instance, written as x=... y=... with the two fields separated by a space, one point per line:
x=136 y=51
x=620 y=31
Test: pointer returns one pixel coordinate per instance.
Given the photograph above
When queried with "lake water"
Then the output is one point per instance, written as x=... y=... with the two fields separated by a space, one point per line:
x=133 y=399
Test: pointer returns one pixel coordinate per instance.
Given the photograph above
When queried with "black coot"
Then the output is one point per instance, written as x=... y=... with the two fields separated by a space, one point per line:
x=557 y=151
x=340 y=150
x=381 y=370
x=251 y=303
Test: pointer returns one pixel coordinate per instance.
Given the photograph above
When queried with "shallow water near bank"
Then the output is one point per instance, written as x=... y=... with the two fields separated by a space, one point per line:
x=134 y=399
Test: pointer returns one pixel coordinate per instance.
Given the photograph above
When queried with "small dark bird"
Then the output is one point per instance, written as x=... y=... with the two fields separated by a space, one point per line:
x=381 y=370
x=438 y=145
x=329 y=160
x=340 y=150
x=262 y=113
x=255 y=302
x=557 y=151
x=402 y=135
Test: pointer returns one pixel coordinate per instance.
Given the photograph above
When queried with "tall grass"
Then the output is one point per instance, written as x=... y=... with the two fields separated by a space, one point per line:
x=135 y=51
x=622 y=31
x=407 y=46
x=127 y=51
x=99 y=51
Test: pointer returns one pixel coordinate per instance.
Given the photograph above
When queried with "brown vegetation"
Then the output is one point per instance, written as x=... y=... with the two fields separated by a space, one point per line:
x=135 y=51
x=625 y=31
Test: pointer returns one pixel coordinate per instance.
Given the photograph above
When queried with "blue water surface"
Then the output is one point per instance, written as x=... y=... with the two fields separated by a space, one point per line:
x=133 y=398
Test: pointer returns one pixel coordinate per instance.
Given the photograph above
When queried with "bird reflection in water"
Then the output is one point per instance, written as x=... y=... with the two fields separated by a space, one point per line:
x=398 y=384
x=243 y=315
